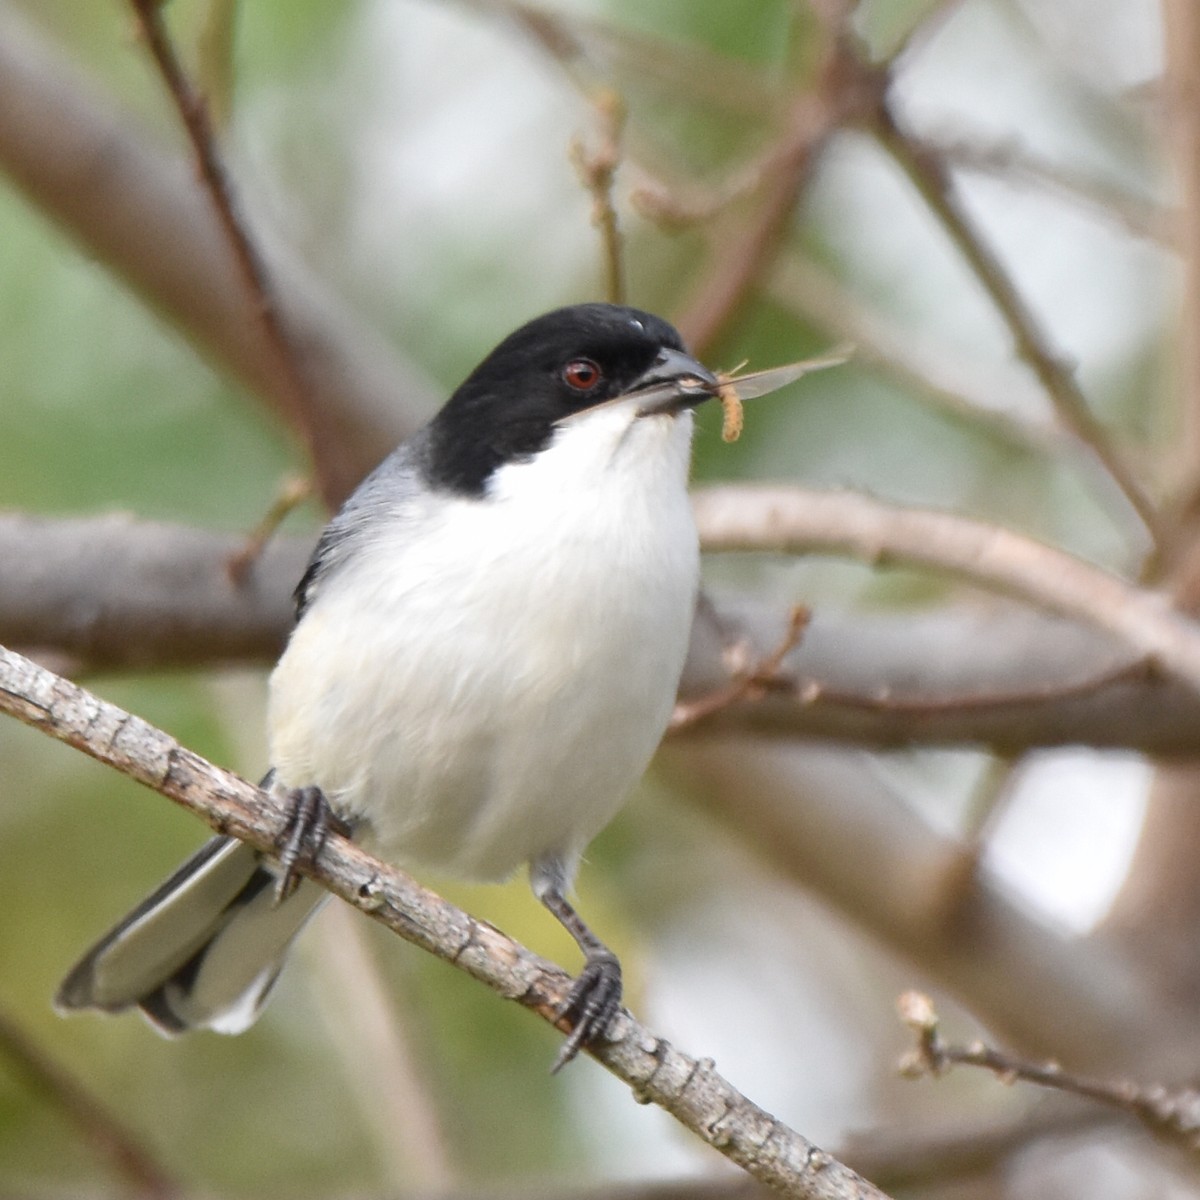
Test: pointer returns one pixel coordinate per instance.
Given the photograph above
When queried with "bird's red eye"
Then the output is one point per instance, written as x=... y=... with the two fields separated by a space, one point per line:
x=582 y=374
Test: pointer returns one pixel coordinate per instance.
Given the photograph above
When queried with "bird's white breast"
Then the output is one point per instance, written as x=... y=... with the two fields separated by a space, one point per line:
x=484 y=680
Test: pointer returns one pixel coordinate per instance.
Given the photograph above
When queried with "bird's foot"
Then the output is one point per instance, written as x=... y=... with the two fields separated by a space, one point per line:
x=591 y=1004
x=309 y=822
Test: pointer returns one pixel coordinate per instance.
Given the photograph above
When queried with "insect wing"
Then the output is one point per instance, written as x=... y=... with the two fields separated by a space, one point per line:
x=760 y=383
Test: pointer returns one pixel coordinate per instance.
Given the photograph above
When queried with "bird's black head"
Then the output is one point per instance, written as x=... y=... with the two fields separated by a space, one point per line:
x=561 y=363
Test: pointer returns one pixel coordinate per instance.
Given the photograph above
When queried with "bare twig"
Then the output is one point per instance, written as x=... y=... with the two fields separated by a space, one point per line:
x=1157 y=908
x=923 y=30
x=292 y=494
x=689 y=1089
x=929 y=174
x=749 y=684
x=996 y=400
x=91 y=169
x=960 y=387
x=129 y=1158
x=1172 y=1113
x=592 y=52
x=597 y=170
x=1014 y=162
x=675 y=208
x=215 y=59
x=742 y=257
x=194 y=113
x=810 y=690
x=782 y=519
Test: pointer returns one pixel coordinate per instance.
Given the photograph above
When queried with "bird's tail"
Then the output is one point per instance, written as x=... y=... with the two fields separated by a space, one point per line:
x=203 y=951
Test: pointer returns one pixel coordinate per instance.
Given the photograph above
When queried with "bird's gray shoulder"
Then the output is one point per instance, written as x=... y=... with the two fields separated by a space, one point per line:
x=390 y=494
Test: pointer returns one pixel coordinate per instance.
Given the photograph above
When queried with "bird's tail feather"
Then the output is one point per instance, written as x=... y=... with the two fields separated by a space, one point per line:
x=202 y=951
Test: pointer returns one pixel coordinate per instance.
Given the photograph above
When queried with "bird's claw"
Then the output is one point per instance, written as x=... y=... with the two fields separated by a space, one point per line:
x=309 y=821
x=591 y=1004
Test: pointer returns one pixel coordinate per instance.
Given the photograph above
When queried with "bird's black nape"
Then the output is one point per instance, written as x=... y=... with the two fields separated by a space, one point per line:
x=507 y=408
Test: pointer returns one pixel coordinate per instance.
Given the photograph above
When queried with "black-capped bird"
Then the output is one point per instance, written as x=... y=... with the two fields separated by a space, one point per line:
x=488 y=642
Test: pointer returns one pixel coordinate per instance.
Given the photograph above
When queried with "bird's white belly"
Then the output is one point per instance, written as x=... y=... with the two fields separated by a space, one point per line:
x=485 y=686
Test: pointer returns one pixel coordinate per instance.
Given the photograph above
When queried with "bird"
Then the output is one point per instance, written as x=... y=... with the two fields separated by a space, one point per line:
x=488 y=641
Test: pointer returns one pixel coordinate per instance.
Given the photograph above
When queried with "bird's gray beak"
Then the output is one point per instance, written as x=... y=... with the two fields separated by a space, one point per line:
x=674 y=381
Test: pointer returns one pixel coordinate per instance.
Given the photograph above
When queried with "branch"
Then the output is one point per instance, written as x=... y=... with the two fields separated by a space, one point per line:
x=743 y=257
x=1172 y=1113
x=687 y=1088
x=291 y=388
x=957 y=385
x=830 y=823
x=1016 y=163
x=788 y=520
x=592 y=52
x=929 y=175
x=388 y=1077
x=1007 y=680
x=114 y=591
x=117 y=593
x=597 y=171
x=751 y=683
x=1181 y=86
x=974 y=676
x=91 y=170
x=129 y=1158
x=814 y=116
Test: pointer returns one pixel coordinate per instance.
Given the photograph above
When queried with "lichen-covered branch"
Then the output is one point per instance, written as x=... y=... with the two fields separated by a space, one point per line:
x=688 y=1088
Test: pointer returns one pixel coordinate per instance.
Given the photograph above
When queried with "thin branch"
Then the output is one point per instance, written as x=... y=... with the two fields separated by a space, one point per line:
x=292 y=493
x=110 y=1138
x=1122 y=709
x=1181 y=130
x=959 y=387
x=770 y=699
x=923 y=31
x=1171 y=1113
x=751 y=683
x=674 y=208
x=592 y=52
x=810 y=690
x=1157 y=908
x=787 y=519
x=1015 y=163
x=193 y=111
x=743 y=257
x=94 y=171
x=929 y=174
x=597 y=171
x=689 y=1089
x=990 y=798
